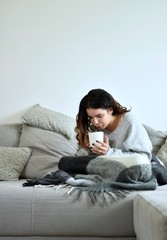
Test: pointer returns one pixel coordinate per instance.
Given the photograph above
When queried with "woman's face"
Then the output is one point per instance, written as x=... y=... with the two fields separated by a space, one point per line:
x=100 y=118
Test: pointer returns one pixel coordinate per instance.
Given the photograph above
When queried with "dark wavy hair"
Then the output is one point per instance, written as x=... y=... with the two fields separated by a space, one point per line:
x=96 y=98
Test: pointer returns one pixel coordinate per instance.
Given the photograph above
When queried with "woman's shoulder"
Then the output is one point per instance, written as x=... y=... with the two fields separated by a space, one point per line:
x=130 y=119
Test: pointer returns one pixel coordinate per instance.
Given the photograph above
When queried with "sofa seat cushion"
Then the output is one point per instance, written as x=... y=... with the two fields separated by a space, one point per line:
x=44 y=211
x=150 y=215
x=15 y=209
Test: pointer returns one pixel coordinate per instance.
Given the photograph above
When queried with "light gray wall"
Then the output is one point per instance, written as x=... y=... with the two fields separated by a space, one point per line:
x=52 y=52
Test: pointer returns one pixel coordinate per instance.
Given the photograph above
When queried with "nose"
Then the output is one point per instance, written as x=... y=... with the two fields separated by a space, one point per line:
x=94 y=121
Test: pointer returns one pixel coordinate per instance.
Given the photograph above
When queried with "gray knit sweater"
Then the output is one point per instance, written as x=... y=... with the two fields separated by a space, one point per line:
x=129 y=137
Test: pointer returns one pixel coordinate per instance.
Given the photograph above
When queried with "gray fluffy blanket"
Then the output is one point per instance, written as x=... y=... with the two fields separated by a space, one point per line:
x=100 y=175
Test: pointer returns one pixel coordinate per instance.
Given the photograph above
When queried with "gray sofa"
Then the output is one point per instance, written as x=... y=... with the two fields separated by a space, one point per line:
x=33 y=147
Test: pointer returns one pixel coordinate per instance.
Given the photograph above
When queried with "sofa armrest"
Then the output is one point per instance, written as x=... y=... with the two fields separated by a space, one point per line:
x=150 y=215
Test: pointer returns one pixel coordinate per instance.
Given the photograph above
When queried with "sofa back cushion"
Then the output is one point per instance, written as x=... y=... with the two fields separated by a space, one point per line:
x=10 y=134
x=162 y=153
x=47 y=149
x=157 y=138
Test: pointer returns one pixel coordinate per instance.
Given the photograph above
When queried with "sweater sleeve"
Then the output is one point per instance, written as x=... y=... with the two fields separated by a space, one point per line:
x=130 y=137
x=138 y=141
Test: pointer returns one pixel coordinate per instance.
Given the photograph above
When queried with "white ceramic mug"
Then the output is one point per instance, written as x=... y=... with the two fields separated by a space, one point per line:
x=95 y=136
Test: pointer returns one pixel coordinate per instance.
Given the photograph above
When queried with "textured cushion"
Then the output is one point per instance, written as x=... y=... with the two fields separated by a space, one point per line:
x=157 y=138
x=162 y=153
x=12 y=162
x=10 y=134
x=48 y=147
x=44 y=118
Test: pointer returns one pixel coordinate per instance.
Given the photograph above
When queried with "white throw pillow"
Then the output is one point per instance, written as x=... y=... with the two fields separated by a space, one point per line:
x=47 y=149
x=41 y=117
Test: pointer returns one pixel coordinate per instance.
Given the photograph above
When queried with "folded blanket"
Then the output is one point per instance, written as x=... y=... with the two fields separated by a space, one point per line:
x=100 y=175
x=129 y=173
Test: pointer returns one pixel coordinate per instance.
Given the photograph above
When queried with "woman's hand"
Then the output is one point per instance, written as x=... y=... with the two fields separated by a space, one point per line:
x=101 y=148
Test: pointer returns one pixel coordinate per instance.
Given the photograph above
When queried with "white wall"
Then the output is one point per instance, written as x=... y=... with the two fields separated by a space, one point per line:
x=52 y=52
